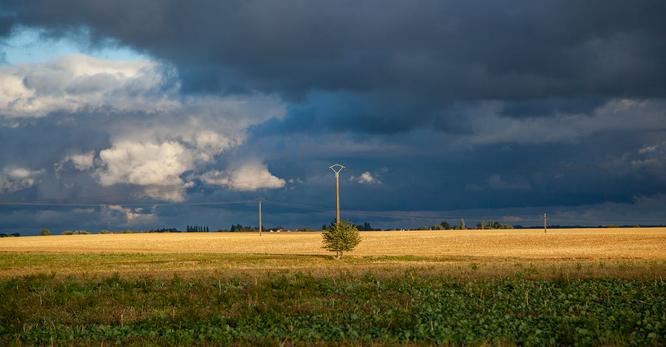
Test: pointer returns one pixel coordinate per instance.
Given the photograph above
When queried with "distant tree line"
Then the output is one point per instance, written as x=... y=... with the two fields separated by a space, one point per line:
x=493 y=225
x=232 y=228
x=196 y=229
x=365 y=227
x=164 y=230
x=462 y=226
x=360 y=227
x=446 y=226
x=240 y=227
x=10 y=235
x=75 y=232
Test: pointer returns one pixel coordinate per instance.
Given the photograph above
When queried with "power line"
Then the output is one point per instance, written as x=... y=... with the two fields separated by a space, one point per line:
x=301 y=206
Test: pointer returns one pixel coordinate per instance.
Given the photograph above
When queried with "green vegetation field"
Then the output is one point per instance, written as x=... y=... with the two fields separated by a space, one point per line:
x=148 y=298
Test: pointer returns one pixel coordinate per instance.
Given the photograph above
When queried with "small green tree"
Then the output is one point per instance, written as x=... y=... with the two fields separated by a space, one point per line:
x=340 y=238
x=45 y=232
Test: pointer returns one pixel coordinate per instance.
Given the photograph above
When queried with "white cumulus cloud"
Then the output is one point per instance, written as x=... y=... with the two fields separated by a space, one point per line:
x=143 y=163
x=367 y=178
x=77 y=82
x=133 y=216
x=81 y=161
x=249 y=176
x=156 y=134
x=15 y=179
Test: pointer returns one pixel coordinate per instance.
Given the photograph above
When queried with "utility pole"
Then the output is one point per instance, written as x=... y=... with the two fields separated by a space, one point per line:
x=337 y=168
x=545 y=222
x=260 y=225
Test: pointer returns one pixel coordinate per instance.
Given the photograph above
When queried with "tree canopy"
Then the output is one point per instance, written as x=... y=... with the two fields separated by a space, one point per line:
x=343 y=237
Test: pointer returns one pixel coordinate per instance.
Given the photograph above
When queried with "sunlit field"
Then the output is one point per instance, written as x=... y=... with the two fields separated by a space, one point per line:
x=569 y=286
x=620 y=243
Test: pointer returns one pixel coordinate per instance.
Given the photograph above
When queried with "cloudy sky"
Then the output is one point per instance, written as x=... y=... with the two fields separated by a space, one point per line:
x=143 y=114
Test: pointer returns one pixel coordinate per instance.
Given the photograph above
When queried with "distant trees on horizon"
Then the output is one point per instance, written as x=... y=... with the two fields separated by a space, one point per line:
x=444 y=225
x=493 y=225
x=360 y=227
x=164 y=230
x=10 y=235
x=240 y=227
x=196 y=229
x=462 y=226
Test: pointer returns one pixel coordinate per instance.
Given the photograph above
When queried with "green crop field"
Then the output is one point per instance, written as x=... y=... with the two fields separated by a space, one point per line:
x=97 y=297
x=351 y=308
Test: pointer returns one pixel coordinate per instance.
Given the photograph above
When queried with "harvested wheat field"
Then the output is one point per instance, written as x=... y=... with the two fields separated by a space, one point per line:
x=621 y=243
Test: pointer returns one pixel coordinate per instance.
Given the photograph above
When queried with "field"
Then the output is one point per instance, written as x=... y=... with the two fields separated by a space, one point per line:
x=575 y=286
x=643 y=243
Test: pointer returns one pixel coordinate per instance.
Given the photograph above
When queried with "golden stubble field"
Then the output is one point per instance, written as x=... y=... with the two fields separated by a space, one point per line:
x=569 y=253
x=621 y=243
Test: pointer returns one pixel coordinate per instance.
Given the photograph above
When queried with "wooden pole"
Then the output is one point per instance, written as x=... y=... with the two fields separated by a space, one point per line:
x=260 y=224
x=545 y=222
x=337 y=199
x=337 y=168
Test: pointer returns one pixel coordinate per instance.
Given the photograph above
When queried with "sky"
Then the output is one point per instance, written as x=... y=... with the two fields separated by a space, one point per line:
x=148 y=114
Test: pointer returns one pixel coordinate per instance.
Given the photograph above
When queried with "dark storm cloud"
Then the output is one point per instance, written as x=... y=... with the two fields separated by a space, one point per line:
x=388 y=66
x=40 y=143
x=550 y=106
x=573 y=181
x=6 y=23
x=452 y=106
x=370 y=113
x=434 y=49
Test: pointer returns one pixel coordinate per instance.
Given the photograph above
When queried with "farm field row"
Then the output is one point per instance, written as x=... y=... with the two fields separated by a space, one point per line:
x=166 y=265
x=302 y=309
x=621 y=243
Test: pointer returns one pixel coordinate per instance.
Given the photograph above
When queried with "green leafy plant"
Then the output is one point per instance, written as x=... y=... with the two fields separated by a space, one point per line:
x=340 y=238
x=302 y=309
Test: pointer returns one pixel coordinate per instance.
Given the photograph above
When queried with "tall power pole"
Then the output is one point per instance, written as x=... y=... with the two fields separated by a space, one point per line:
x=260 y=224
x=337 y=168
x=545 y=222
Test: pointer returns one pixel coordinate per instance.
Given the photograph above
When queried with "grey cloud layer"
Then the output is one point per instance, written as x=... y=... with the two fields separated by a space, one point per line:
x=437 y=49
x=389 y=66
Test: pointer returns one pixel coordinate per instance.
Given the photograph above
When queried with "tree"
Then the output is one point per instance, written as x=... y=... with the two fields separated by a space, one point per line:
x=493 y=225
x=365 y=227
x=340 y=238
x=45 y=232
x=461 y=224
